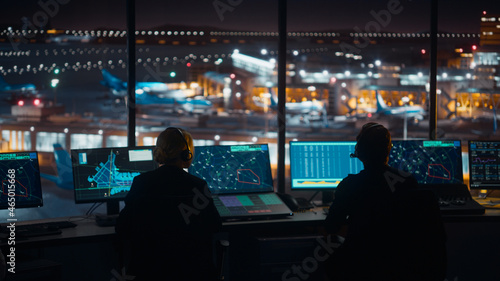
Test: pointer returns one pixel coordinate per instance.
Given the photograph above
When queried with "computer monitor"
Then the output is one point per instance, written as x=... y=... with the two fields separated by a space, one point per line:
x=321 y=165
x=484 y=164
x=106 y=174
x=20 y=174
x=230 y=169
x=430 y=162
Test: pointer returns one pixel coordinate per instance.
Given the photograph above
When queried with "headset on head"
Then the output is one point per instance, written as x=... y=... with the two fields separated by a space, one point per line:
x=186 y=154
x=360 y=136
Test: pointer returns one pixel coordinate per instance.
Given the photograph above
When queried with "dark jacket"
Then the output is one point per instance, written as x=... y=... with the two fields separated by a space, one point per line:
x=169 y=218
x=394 y=230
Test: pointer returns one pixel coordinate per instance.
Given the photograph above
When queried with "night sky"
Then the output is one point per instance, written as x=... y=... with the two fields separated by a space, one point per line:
x=255 y=15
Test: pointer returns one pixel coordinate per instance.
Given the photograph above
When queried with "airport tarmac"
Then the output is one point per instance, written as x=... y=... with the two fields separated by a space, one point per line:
x=81 y=94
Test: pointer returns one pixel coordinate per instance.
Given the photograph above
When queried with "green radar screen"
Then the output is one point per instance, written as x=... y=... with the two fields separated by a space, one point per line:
x=430 y=162
x=233 y=168
x=20 y=176
x=108 y=173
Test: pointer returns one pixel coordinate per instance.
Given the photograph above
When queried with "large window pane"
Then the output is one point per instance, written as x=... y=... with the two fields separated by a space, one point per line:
x=215 y=57
x=52 y=54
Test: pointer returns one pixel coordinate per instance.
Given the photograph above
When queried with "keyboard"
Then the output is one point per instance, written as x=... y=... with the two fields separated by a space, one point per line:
x=455 y=199
x=41 y=229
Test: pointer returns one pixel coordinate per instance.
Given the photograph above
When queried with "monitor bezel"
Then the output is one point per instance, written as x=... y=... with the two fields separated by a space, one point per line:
x=443 y=140
x=486 y=187
x=329 y=188
x=270 y=174
x=112 y=200
x=32 y=204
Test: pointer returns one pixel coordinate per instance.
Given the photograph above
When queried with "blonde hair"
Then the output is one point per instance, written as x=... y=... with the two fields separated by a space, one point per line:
x=170 y=144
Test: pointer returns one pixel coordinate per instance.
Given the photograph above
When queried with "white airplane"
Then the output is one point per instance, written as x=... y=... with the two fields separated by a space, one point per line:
x=411 y=111
x=296 y=108
x=119 y=88
x=158 y=94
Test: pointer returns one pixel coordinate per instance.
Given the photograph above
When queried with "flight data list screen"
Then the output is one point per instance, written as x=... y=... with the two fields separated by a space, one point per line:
x=321 y=165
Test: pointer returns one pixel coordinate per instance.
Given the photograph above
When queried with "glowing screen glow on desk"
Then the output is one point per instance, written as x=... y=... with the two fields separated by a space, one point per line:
x=316 y=165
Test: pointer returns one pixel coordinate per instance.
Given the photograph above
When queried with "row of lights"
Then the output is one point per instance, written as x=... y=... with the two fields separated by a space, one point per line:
x=103 y=33
x=415 y=35
x=118 y=33
x=66 y=130
x=85 y=51
x=89 y=65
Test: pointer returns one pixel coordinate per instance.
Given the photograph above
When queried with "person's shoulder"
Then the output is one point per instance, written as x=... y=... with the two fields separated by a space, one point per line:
x=400 y=173
x=401 y=176
x=195 y=179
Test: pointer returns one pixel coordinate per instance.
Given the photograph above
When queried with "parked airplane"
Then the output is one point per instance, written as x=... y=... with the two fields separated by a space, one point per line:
x=413 y=111
x=119 y=87
x=64 y=178
x=296 y=108
x=191 y=105
x=16 y=88
x=157 y=93
x=62 y=39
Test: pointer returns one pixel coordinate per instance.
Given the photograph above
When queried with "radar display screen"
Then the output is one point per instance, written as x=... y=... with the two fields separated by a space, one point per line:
x=102 y=174
x=316 y=165
x=230 y=169
x=20 y=175
x=484 y=164
x=430 y=162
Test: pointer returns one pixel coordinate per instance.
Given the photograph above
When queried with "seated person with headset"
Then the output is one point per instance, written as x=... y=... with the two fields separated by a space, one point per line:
x=169 y=216
x=379 y=209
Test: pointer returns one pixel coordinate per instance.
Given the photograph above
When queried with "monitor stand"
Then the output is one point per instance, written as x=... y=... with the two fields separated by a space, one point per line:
x=112 y=211
x=326 y=198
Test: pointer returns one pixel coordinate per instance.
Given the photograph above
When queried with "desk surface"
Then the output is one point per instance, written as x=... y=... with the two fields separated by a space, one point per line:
x=87 y=229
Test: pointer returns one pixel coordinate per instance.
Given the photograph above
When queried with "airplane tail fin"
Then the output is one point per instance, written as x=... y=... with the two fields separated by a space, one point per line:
x=381 y=105
x=112 y=81
x=64 y=167
x=274 y=98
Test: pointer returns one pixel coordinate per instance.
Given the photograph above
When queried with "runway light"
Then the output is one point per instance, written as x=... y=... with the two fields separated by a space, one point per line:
x=54 y=82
